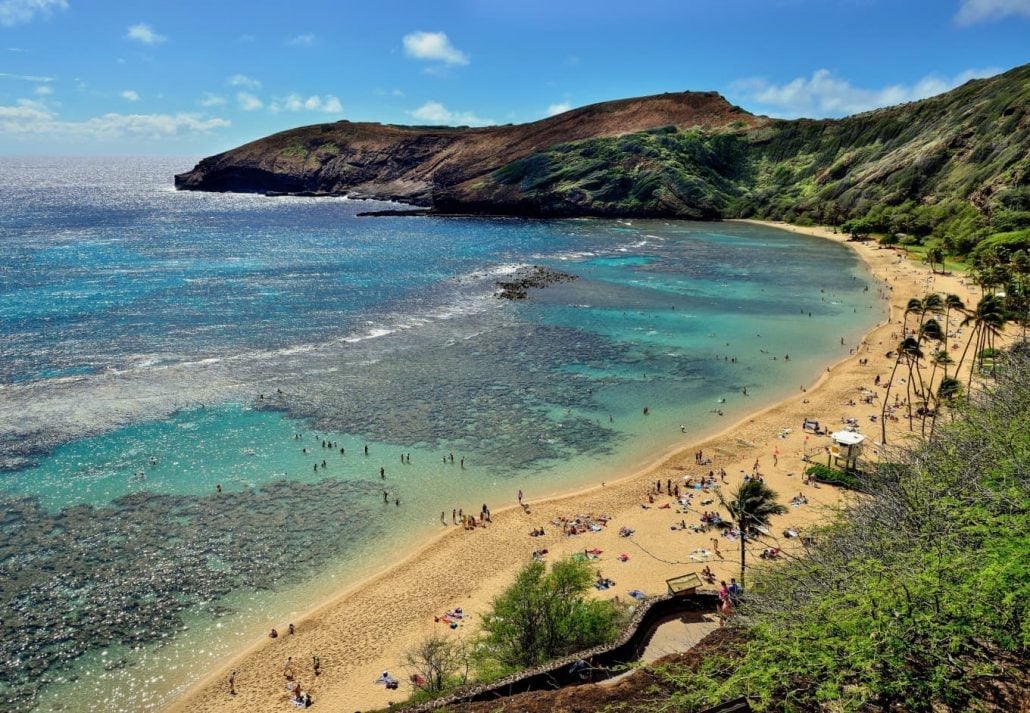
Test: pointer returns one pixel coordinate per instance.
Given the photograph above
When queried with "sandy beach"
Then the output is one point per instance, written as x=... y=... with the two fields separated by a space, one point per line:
x=365 y=630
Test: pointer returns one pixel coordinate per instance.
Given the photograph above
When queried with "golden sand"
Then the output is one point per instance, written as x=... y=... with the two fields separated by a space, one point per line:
x=366 y=630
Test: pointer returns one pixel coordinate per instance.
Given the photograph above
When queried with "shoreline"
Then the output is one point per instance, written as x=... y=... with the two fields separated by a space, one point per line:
x=466 y=569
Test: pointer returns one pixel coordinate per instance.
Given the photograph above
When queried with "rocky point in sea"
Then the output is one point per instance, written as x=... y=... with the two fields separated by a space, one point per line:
x=526 y=278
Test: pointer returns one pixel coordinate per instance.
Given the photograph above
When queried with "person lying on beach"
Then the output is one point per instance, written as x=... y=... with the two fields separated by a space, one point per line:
x=708 y=575
x=625 y=532
x=387 y=680
x=538 y=555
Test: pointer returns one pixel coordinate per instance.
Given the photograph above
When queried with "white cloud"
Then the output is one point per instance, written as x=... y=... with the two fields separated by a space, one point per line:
x=16 y=12
x=43 y=90
x=209 y=99
x=433 y=46
x=30 y=117
x=380 y=92
x=971 y=12
x=433 y=112
x=328 y=104
x=144 y=33
x=559 y=108
x=26 y=77
x=824 y=94
x=242 y=80
x=130 y=95
x=305 y=40
x=247 y=101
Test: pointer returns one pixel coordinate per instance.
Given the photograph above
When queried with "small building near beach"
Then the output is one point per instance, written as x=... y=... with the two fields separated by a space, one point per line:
x=846 y=449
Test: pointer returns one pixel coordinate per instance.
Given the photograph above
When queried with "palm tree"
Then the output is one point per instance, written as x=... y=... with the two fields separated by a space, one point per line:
x=753 y=504
x=908 y=343
x=930 y=330
x=988 y=319
x=951 y=302
x=910 y=352
x=914 y=306
x=949 y=390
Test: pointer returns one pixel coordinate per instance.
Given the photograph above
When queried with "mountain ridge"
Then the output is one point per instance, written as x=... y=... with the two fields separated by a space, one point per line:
x=409 y=163
x=949 y=162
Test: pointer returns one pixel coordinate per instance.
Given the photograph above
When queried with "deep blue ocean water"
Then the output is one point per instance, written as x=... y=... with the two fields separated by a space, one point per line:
x=158 y=345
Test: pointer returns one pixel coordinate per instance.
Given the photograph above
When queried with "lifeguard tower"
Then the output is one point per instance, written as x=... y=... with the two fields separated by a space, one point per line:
x=846 y=449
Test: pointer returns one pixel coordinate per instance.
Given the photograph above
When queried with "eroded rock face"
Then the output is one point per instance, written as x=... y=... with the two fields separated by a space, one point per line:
x=528 y=278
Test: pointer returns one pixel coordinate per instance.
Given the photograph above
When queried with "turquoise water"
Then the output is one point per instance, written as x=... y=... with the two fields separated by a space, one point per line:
x=158 y=346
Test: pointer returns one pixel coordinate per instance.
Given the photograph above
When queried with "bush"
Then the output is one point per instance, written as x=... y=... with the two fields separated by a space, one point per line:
x=832 y=476
x=544 y=615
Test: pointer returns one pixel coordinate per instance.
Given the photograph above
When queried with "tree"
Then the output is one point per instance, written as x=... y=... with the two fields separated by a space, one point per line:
x=439 y=662
x=547 y=614
x=933 y=256
x=914 y=306
x=753 y=504
x=988 y=319
x=951 y=302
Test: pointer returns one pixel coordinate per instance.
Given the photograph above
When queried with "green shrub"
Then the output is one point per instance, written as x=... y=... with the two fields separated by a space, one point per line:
x=543 y=615
x=832 y=476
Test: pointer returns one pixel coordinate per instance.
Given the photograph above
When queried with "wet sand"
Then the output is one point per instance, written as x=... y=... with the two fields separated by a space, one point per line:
x=366 y=630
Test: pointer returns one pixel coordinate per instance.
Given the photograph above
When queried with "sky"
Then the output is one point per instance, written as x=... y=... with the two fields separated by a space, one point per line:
x=195 y=77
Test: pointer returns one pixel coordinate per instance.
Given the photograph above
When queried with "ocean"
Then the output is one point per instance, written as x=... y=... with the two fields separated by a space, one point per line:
x=189 y=383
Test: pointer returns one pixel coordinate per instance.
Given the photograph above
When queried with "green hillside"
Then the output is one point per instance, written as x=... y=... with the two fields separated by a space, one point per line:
x=956 y=166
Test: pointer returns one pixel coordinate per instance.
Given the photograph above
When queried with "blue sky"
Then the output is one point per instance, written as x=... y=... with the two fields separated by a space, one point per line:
x=194 y=77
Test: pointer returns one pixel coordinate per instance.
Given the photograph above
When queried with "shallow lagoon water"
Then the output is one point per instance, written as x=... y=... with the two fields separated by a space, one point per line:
x=159 y=344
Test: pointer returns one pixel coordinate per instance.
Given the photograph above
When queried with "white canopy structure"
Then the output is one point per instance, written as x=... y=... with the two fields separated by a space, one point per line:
x=846 y=448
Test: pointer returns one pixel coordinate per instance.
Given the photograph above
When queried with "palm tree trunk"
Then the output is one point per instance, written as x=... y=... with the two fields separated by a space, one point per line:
x=886 y=401
x=908 y=392
x=743 y=554
x=962 y=359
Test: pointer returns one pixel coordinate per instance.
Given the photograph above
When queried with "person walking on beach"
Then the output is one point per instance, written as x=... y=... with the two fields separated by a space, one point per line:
x=715 y=547
x=520 y=496
x=316 y=663
x=232 y=683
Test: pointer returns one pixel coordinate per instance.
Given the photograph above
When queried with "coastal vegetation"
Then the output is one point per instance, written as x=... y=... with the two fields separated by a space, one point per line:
x=545 y=614
x=912 y=599
x=948 y=172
